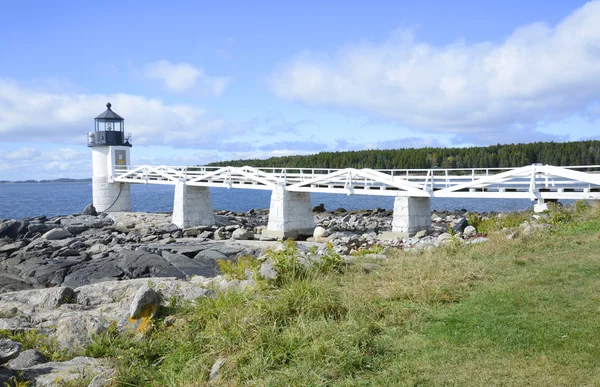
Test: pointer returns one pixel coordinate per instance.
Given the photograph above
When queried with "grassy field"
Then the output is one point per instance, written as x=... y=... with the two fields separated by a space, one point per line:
x=509 y=312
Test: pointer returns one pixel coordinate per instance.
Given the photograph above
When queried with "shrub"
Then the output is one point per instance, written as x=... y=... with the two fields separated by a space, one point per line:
x=240 y=268
x=330 y=260
x=497 y=223
x=287 y=263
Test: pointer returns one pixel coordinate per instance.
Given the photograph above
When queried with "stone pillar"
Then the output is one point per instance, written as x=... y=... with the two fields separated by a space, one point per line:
x=192 y=206
x=290 y=214
x=411 y=215
x=540 y=206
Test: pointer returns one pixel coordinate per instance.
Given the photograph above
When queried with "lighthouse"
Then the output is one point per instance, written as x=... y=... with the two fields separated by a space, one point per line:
x=110 y=157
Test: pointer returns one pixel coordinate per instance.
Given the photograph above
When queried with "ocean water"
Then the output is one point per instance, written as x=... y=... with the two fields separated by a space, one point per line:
x=19 y=200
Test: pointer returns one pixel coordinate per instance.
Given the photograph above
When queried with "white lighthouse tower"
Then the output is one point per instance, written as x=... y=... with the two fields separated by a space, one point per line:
x=110 y=155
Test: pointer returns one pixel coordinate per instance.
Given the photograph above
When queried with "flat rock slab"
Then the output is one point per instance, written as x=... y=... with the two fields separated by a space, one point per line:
x=188 y=250
x=136 y=264
x=13 y=283
x=210 y=254
x=93 y=271
x=190 y=267
x=140 y=220
x=49 y=374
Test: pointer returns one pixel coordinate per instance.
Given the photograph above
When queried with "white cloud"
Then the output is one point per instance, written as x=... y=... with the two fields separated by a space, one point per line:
x=30 y=115
x=537 y=75
x=28 y=162
x=20 y=154
x=57 y=166
x=182 y=77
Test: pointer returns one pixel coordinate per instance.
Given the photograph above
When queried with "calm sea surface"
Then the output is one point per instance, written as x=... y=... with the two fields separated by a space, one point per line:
x=18 y=200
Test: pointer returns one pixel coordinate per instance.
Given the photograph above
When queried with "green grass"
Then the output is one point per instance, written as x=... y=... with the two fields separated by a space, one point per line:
x=32 y=339
x=518 y=312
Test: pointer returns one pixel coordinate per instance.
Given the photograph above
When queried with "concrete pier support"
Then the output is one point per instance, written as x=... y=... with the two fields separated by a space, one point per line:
x=110 y=197
x=192 y=206
x=290 y=214
x=540 y=206
x=411 y=215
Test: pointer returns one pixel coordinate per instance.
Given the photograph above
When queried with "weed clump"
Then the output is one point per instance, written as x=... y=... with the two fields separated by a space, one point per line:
x=32 y=339
x=240 y=269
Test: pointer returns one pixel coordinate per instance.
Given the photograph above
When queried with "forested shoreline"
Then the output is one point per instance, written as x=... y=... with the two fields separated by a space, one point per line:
x=494 y=156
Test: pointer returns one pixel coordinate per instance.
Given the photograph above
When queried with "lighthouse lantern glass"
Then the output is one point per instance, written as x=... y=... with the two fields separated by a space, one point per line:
x=110 y=130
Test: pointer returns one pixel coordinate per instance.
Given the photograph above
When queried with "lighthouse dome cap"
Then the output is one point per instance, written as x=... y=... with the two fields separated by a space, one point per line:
x=109 y=114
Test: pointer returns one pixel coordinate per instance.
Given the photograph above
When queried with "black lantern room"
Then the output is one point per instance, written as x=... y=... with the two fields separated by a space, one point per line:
x=109 y=130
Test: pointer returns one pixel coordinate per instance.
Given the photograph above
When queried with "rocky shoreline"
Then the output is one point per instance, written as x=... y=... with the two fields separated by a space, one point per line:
x=73 y=277
x=83 y=249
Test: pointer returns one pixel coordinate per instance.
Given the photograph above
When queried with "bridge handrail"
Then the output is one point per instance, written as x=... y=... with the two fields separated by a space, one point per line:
x=532 y=181
x=291 y=173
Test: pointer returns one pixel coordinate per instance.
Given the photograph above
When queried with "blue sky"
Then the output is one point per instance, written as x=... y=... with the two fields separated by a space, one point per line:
x=205 y=81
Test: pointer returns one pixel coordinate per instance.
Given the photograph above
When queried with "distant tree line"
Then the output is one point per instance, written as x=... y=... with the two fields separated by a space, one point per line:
x=495 y=156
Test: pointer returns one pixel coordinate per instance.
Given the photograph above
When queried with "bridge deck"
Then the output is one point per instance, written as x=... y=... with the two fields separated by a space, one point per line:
x=534 y=181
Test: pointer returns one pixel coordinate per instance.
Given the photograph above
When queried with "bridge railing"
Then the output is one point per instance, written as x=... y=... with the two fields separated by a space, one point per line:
x=329 y=178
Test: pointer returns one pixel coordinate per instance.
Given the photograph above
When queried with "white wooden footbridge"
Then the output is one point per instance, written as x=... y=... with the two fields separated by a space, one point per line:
x=535 y=181
x=290 y=211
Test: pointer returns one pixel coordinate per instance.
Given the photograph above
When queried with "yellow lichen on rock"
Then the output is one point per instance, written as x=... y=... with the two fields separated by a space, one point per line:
x=140 y=322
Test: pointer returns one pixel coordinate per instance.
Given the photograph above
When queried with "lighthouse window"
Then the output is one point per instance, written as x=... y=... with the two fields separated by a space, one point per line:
x=109 y=126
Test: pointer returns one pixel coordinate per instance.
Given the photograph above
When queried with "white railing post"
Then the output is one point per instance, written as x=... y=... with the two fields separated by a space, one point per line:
x=532 y=183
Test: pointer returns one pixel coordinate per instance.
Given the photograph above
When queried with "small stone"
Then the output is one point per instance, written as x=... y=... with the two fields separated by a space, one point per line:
x=442 y=239
x=56 y=234
x=216 y=368
x=192 y=232
x=145 y=296
x=421 y=234
x=90 y=210
x=320 y=232
x=470 y=231
x=9 y=350
x=26 y=359
x=97 y=249
x=220 y=234
x=241 y=234
x=319 y=208
x=206 y=234
x=169 y=320
x=460 y=225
